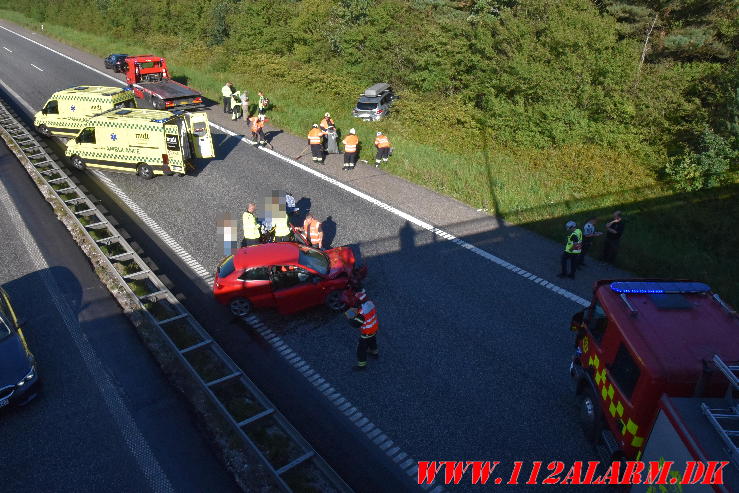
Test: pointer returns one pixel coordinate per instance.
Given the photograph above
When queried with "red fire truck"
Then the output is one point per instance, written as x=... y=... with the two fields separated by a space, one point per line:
x=650 y=370
x=148 y=76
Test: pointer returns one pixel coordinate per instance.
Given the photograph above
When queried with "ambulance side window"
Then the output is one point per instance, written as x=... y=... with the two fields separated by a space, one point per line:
x=625 y=372
x=87 y=136
x=51 y=108
x=598 y=322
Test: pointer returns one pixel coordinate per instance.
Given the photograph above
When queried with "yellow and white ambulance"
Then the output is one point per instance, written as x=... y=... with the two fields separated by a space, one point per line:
x=145 y=142
x=66 y=111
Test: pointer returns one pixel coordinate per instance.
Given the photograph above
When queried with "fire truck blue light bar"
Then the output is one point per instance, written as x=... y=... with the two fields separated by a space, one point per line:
x=656 y=287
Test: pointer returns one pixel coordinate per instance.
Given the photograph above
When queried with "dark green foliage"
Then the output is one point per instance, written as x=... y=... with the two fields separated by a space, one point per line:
x=707 y=166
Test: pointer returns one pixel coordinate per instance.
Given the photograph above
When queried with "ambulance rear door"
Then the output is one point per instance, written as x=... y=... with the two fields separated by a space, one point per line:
x=202 y=142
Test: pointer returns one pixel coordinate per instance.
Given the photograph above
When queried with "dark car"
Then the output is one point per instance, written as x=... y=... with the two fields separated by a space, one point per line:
x=18 y=375
x=116 y=61
x=374 y=103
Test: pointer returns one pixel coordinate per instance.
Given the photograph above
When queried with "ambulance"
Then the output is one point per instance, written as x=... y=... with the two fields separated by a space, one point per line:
x=145 y=142
x=66 y=111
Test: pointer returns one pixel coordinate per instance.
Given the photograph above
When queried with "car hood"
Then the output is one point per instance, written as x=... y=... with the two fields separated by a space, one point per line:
x=341 y=261
x=14 y=362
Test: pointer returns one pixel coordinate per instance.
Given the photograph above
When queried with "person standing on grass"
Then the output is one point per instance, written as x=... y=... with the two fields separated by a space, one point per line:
x=589 y=233
x=614 y=232
x=263 y=103
x=351 y=148
x=226 y=92
x=383 y=149
x=573 y=249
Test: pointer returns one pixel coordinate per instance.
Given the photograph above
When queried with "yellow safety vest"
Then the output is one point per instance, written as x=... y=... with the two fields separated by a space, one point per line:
x=281 y=227
x=251 y=228
x=574 y=246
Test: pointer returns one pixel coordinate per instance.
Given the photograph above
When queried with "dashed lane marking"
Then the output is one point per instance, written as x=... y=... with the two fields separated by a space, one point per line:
x=37 y=68
x=134 y=440
x=7 y=49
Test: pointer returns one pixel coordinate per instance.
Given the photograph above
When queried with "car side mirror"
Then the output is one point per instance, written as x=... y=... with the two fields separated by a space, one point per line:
x=43 y=111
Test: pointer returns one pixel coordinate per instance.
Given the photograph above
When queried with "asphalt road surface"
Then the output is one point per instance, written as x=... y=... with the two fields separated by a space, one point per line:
x=474 y=356
x=106 y=416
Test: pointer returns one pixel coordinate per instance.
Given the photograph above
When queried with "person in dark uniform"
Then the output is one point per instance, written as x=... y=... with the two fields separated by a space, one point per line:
x=614 y=232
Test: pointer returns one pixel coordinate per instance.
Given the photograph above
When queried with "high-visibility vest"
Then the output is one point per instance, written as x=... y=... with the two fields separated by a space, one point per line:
x=574 y=246
x=325 y=123
x=313 y=231
x=226 y=91
x=382 y=141
x=281 y=227
x=350 y=143
x=251 y=228
x=315 y=135
x=369 y=314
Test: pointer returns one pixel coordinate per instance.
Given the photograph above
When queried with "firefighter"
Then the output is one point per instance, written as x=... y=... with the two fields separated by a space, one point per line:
x=364 y=316
x=315 y=139
x=383 y=149
x=235 y=105
x=351 y=146
x=257 y=129
x=252 y=231
x=313 y=231
x=226 y=92
x=573 y=250
x=326 y=122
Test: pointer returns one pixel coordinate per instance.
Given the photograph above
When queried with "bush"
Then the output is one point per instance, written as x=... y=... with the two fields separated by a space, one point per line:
x=709 y=167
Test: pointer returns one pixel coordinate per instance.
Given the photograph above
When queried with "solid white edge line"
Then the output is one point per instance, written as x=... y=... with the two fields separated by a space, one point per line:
x=412 y=219
x=119 y=412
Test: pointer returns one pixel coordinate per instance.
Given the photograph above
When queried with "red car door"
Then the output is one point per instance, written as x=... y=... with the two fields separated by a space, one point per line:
x=295 y=289
x=257 y=287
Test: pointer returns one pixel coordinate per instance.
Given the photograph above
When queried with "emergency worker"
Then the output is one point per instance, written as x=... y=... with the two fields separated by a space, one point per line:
x=326 y=122
x=262 y=104
x=351 y=148
x=226 y=93
x=313 y=231
x=383 y=149
x=315 y=140
x=235 y=105
x=364 y=316
x=257 y=129
x=252 y=231
x=573 y=250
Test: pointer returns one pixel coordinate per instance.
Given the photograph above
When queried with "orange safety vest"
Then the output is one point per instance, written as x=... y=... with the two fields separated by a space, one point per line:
x=325 y=123
x=382 y=142
x=315 y=135
x=254 y=124
x=313 y=231
x=369 y=314
x=350 y=143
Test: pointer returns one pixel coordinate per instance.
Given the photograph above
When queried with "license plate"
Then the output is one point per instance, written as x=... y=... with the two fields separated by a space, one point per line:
x=4 y=402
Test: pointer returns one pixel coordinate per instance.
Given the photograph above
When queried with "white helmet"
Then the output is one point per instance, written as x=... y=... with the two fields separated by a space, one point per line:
x=379 y=133
x=327 y=115
x=571 y=224
x=352 y=131
x=315 y=125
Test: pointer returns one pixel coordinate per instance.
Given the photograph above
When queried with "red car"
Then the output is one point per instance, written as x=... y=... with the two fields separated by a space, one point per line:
x=286 y=276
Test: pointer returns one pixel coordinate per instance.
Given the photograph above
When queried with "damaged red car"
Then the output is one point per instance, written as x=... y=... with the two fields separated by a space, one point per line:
x=287 y=276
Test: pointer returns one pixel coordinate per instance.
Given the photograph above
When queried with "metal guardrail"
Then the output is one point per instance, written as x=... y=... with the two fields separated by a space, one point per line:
x=280 y=448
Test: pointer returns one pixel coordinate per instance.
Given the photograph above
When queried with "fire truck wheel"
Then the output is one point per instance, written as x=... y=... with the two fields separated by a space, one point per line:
x=43 y=130
x=145 y=171
x=590 y=417
x=78 y=163
x=240 y=307
x=333 y=301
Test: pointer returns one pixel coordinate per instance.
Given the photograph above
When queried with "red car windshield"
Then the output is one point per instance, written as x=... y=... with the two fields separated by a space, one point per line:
x=314 y=259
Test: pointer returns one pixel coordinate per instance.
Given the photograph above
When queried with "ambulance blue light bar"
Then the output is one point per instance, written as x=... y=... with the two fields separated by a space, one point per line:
x=657 y=287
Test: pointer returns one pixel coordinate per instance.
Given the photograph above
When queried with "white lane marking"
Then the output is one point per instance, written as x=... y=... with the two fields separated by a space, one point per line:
x=37 y=68
x=135 y=441
x=17 y=96
x=201 y=271
x=418 y=222
x=7 y=49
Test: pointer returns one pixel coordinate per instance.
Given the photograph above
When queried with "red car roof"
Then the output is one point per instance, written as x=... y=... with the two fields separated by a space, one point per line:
x=267 y=254
x=672 y=341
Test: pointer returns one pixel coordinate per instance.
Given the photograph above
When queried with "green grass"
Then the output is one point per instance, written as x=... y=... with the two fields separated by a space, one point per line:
x=112 y=250
x=99 y=234
x=141 y=287
x=207 y=364
x=162 y=310
x=442 y=150
x=181 y=333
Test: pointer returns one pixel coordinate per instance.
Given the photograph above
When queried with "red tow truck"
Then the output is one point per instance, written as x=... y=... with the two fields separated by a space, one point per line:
x=148 y=76
x=655 y=372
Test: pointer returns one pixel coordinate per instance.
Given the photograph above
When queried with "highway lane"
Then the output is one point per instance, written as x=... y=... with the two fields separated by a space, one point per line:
x=105 y=414
x=457 y=332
